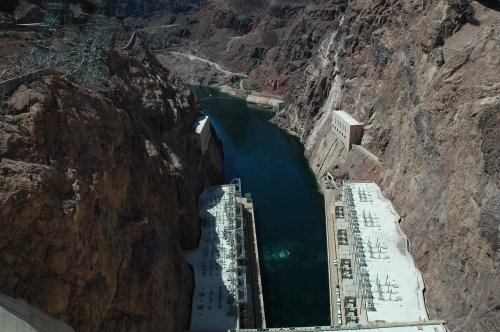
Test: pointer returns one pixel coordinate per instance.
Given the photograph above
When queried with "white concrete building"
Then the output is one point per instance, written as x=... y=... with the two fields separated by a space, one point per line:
x=348 y=129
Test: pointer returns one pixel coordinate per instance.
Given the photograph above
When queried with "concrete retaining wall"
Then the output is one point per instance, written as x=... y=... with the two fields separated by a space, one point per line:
x=262 y=100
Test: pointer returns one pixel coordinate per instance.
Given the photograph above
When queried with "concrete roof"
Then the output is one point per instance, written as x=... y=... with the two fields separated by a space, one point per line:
x=10 y=323
x=396 y=283
x=200 y=123
x=16 y=315
x=347 y=118
x=409 y=328
x=214 y=264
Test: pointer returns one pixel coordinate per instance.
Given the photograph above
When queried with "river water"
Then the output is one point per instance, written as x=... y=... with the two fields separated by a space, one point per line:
x=289 y=208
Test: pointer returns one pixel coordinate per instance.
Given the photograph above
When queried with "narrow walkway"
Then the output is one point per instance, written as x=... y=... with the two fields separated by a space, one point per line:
x=367 y=154
x=332 y=252
x=130 y=42
x=158 y=26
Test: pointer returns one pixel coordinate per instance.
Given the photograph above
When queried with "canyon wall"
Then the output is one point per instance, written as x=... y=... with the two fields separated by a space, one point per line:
x=423 y=77
x=98 y=196
x=421 y=74
x=425 y=84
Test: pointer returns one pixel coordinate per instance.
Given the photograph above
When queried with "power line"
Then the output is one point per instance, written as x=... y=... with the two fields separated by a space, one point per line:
x=84 y=63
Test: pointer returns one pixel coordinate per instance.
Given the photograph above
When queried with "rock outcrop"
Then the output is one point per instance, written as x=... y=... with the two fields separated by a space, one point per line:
x=423 y=77
x=98 y=197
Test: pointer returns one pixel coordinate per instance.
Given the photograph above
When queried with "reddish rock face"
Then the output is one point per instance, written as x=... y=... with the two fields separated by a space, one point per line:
x=98 y=198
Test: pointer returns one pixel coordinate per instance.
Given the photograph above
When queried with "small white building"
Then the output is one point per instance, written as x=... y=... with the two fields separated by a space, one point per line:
x=348 y=129
x=201 y=133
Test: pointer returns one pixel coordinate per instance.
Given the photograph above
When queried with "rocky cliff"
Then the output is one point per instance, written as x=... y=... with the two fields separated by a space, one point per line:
x=423 y=77
x=98 y=197
x=425 y=83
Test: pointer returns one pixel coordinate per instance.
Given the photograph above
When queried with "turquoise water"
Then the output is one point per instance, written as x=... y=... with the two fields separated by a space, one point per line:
x=289 y=209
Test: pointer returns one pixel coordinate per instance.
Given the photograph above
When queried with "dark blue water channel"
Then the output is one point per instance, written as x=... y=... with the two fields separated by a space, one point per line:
x=289 y=208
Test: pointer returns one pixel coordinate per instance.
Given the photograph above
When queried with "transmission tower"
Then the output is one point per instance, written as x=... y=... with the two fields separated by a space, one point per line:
x=93 y=42
x=51 y=20
x=84 y=63
x=42 y=52
x=5 y=108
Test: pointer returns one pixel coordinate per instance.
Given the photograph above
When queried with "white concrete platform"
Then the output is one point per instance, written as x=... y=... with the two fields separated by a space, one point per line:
x=215 y=263
x=433 y=326
x=200 y=123
x=11 y=323
x=395 y=282
x=17 y=315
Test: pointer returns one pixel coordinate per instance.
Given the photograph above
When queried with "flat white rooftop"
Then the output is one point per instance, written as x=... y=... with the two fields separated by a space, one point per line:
x=16 y=315
x=430 y=327
x=395 y=282
x=415 y=328
x=200 y=123
x=11 y=323
x=347 y=118
x=214 y=263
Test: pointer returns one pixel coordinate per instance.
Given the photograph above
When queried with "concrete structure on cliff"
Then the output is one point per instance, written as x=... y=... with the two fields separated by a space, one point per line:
x=228 y=291
x=201 y=133
x=348 y=129
x=17 y=315
x=264 y=100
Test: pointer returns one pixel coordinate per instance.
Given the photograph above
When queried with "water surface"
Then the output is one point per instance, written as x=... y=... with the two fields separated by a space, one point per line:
x=289 y=209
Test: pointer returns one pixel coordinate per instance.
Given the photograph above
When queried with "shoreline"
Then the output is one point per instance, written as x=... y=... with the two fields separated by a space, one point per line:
x=263 y=100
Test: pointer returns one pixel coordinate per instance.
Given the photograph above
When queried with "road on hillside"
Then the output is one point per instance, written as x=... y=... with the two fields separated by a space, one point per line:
x=217 y=66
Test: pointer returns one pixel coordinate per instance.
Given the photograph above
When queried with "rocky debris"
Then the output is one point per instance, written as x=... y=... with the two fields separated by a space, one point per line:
x=98 y=197
x=141 y=8
x=27 y=12
x=442 y=21
x=228 y=20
